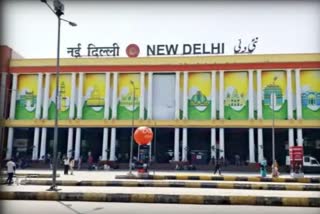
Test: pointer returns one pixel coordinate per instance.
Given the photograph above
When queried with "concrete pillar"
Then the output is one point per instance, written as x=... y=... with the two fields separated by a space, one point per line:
x=78 y=144
x=176 y=144
x=45 y=116
x=70 y=143
x=12 y=114
x=221 y=143
x=150 y=85
x=114 y=116
x=3 y=98
x=251 y=117
x=185 y=95
x=299 y=106
x=106 y=117
x=71 y=114
x=105 y=144
x=184 y=144
x=177 y=96
x=259 y=114
x=114 y=95
x=290 y=106
x=260 y=145
x=35 y=150
x=142 y=92
x=213 y=113
x=221 y=114
x=113 y=145
x=79 y=116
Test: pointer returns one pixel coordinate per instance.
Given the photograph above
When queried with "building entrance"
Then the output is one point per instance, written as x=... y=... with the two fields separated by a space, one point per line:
x=236 y=146
x=91 y=141
x=199 y=141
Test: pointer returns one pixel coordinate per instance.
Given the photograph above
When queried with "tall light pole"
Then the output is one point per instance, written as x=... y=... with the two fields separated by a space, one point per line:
x=274 y=97
x=58 y=11
x=132 y=127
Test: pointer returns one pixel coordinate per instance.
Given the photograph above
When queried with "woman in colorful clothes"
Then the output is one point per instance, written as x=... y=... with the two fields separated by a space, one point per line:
x=275 y=169
x=263 y=168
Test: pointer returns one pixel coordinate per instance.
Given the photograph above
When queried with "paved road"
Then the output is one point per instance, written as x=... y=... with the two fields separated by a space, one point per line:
x=67 y=207
x=108 y=175
x=166 y=190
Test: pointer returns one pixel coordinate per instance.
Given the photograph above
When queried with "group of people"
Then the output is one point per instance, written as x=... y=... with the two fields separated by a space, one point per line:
x=274 y=169
x=68 y=165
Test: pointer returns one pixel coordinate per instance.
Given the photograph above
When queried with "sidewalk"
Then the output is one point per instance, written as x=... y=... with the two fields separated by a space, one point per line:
x=156 y=194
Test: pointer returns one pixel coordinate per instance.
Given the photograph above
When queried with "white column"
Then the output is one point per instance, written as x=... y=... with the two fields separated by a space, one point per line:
x=114 y=116
x=185 y=116
x=141 y=110
x=13 y=96
x=106 y=117
x=259 y=94
x=107 y=97
x=105 y=144
x=221 y=114
x=80 y=96
x=184 y=144
x=12 y=115
x=213 y=143
x=176 y=144
x=177 y=95
x=114 y=95
x=290 y=107
x=78 y=144
x=221 y=96
x=71 y=114
x=70 y=143
x=9 y=143
x=3 y=87
x=289 y=94
x=299 y=106
x=251 y=146
x=250 y=93
x=185 y=95
x=177 y=116
x=213 y=112
x=43 y=143
x=45 y=116
x=260 y=145
x=291 y=137
x=35 y=150
x=113 y=145
x=150 y=85
x=221 y=143
x=300 y=138
x=259 y=114
x=251 y=117
x=79 y=116
x=73 y=96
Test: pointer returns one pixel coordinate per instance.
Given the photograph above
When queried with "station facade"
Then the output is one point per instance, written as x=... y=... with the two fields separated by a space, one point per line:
x=198 y=107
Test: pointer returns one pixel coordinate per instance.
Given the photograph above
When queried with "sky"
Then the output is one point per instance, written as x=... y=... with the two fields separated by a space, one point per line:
x=30 y=28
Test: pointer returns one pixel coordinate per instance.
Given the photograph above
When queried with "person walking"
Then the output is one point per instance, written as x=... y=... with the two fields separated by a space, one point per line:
x=263 y=168
x=79 y=162
x=71 y=165
x=66 y=165
x=275 y=169
x=218 y=165
x=11 y=168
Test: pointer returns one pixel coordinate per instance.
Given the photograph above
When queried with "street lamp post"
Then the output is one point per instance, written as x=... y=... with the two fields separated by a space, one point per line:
x=58 y=11
x=274 y=96
x=132 y=128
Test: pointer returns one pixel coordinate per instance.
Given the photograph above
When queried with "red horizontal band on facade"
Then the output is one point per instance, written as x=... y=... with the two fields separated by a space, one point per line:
x=166 y=68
